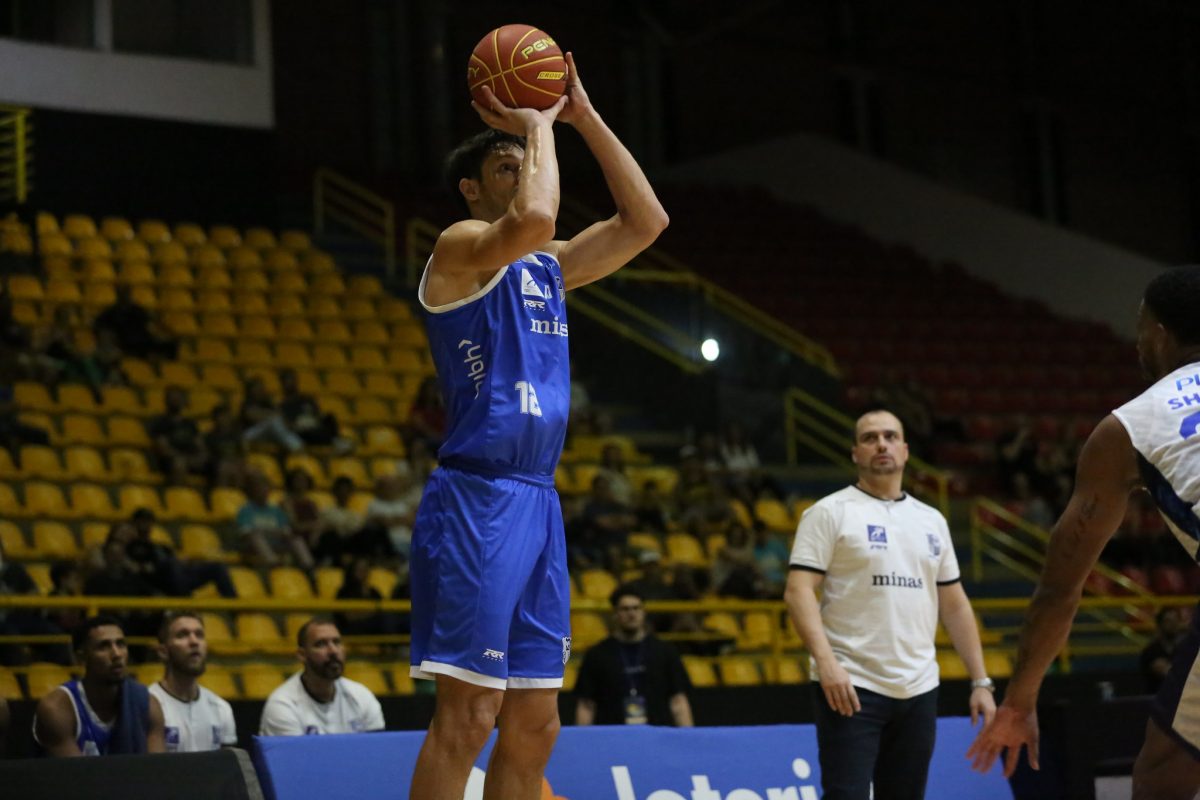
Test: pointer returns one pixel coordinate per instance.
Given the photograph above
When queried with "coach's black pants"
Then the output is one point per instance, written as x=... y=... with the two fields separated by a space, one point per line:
x=889 y=741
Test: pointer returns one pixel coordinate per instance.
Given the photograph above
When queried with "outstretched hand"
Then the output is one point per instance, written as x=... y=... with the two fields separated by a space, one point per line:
x=1009 y=730
x=578 y=104
x=517 y=121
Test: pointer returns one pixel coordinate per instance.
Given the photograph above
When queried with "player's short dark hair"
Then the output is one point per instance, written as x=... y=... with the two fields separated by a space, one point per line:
x=168 y=620
x=83 y=630
x=1173 y=297
x=625 y=591
x=302 y=634
x=466 y=160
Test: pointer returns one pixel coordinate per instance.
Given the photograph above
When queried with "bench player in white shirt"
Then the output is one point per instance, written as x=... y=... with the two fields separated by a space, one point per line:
x=885 y=564
x=196 y=720
x=318 y=700
x=1152 y=443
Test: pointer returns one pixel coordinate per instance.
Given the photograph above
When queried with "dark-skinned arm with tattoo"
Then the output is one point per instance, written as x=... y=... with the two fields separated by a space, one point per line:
x=1105 y=477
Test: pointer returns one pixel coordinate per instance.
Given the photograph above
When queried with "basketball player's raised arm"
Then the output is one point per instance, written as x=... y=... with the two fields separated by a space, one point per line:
x=1106 y=474
x=475 y=246
x=54 y=725
x=608 y=245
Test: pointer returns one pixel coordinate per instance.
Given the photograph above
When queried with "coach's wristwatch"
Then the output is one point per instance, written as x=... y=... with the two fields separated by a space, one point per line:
x=983 y=683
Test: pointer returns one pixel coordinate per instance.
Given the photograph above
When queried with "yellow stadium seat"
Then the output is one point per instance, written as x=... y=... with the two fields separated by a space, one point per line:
x=371 y=411
x=329 y=580
x=10 y=506
x=587 y=628
x=256 y=327
x=289 y=283
x=367 y=358
x=128 y=464
x=218 y=633
x=713 y=544
x=683 y=548
x=950 y=666
x=41 y=420
x=328 y=283
x=295 y=241
x=184 y=502
x=153 y=231
x=382 y=384
x=225 y=503
x=63 y=292
x=290 y=583
x=31 y=396
x=403 y=359
x=219 y=680
x=293 y=622
x=127 y=431
x=219 y=325
x=55 y=244
x=292 y=354
x=333 y=331
x=597 y=584
x=222 y=377
x=739 y=672
x=383 y=440
x=296 y=329
x=213 y=301
x=700 y=672
x=24 y=287
x=13 y=542
x=39 y=461
x=252 y=353
x=258 y=631
x=169 y=253
x=9 y=688
x=241 y=258
x=174 y=373
x=646 y=542
x=786 y=670
x=98 y=270
x=392 y=309
x=93 y=248
x=99 y=295
x=132 y=497
x=250 y=303
x=212 y=350
x=8 y=470
x=251 y=280
x=249 y=586
x=133 y=251
x=364 y=286
x=200 y=542
x=309 y=464
x=317 y=261
x=259 y=239
x=344 y=383
x=210 y=276
x=25 y=312
x=93 y=534
x=40 y=575
x=89 y=501
x=383 y=579
x=359 y=309
x=189 y=234
x=78 y=226
x=409 y=334
x=224 y=236
x=328 y=356
x=775 y=515
x=352 y=468
x=279 y=260
x=759 y=629
x=82 y=429
x=287 y=305
x=323 y=307
x=402 y=681
x=116 y=229
x=259 y=680
x=182 y=323
x=175 y=276
x=46 y=500
x=368 y=675
x=371 y=332
x=44 y=678
x=46 y=223
x=997 y=663
x=724 y=623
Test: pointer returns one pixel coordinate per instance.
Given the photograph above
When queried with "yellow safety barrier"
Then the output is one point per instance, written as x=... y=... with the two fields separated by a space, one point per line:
x=16 y=154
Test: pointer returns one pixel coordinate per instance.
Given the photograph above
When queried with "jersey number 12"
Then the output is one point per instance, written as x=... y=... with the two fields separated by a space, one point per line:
x=529 y=401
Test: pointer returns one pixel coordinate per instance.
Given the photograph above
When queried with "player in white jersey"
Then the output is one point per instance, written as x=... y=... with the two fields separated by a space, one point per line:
x=318 y=700
x=886 y=568
x=1150 y=443
x=196 y=719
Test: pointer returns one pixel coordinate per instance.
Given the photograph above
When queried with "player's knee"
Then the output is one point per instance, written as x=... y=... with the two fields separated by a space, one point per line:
x=532 y=739
x=469 y=722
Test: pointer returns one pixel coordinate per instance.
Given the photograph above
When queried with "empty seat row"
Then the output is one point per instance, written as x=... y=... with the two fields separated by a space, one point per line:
x=119 y=229
x=300 y=354
x=220 y=297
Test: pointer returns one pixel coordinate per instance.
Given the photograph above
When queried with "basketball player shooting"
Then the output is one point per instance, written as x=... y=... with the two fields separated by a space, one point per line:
x=1151 y=442
x=490 y=590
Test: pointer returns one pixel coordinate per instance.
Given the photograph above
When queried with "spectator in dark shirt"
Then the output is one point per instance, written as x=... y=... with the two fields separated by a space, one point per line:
x=118 y=578
x=1157 y=655
x=303 y=416
x=135 y=330
x=158 y=566
x=355 y=587
x=15 y=580
x=177 y=447
x=262 y=421
x=606 y=524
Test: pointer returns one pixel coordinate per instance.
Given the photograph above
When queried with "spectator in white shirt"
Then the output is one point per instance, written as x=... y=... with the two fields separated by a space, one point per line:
x=196 y=720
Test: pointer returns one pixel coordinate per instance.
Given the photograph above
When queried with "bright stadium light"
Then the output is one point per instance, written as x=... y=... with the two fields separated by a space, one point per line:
x=710 y=349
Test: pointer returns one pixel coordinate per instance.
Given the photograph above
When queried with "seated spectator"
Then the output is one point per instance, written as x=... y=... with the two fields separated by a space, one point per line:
x=16 y=342
x=119 y=578
x=427 y=416
x=695 y=485
x=15 y=580
x=261 y=420
x=337 y=524
x=135 y=330
x=652 y=585
x=734 y=571
x=107 y=712
x=355 y=587
x=67 y=580
x=318 y=699
x=264 y=528
x=159 y=567
x=1016 y=451
x=390 y=511
x=13 y=432
x=771 y=557
x=304 y=417
x=1156 y=657
x=195 y=719
x=652 y=509
x=177 y=448
x=226 y=449
x=606 y=525
x=612 y=466
x=304 y=518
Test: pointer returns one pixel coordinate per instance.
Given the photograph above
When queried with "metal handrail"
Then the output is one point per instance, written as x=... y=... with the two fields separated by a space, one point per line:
x=16 y=147
x=337 y=198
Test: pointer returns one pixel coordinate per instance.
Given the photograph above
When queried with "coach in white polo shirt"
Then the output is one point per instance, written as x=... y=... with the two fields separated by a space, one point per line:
x=886 y=568
x=318 y=699
x=195 y=720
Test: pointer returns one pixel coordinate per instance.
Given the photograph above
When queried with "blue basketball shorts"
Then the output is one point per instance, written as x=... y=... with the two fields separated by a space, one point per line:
x=1176 y=707
x=491 y=597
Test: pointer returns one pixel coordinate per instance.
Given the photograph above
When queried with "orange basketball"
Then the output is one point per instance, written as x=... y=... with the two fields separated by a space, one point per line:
x=521 y=64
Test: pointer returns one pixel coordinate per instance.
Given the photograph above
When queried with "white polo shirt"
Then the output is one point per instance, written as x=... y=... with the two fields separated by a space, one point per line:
x=882 y=561
x=204 y=724
x=292 y=711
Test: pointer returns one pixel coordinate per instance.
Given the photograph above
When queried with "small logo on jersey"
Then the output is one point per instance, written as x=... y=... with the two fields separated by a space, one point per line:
x=566 y=649
x=1189 y=425
x=529 y=285
x=935 y=544
x=311 y=730
x=356 y=726
x=877 y=536
x=547 y=327
x=901 y=581
x=540 y=305
x=562 y=293
x=493 y=655
x=216 y=734
x=171 y=735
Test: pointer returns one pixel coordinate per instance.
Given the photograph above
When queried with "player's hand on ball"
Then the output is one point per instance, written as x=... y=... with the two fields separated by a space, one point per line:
x=578 y=104
x=517 y=121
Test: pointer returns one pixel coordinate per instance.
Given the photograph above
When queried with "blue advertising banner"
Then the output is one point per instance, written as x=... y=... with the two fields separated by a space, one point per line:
x=777 y=762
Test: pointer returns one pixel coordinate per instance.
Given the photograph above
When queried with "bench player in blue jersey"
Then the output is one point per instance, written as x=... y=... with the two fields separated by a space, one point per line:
x=490 y=590
x=1151 y=443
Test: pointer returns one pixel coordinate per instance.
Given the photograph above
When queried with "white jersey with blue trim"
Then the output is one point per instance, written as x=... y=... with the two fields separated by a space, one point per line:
x=1163 y=424
x=504 y=369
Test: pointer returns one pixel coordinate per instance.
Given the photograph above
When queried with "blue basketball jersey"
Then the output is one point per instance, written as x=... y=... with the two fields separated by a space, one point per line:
x=503 y=366
x=91 y=736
